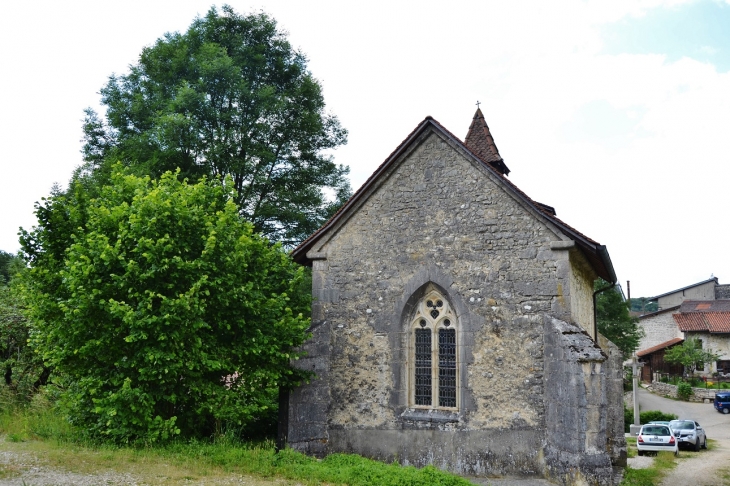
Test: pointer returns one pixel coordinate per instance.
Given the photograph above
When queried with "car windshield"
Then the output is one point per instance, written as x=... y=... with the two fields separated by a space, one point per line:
x=683 y=425
x=656 y=430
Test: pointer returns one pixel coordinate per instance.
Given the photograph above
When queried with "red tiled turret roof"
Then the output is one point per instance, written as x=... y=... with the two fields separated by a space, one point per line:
x=480 y=141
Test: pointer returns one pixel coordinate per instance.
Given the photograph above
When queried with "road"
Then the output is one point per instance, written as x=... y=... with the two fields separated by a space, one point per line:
x=716 y=424
x=703 y=468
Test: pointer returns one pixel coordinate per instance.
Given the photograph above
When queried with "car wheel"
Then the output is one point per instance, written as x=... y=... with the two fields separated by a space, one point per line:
x=726 y=410
x=676 y=451
x=704 y=443
x=641 y=453
x=697 y=445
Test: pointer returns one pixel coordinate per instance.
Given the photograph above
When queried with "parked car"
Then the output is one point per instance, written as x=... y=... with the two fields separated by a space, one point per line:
x=689 y=433
x=659 y=422
x=655 y=438
x=722 y=402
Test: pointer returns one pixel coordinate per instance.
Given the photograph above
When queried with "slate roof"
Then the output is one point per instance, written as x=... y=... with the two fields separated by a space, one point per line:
x=657 y=312
x=596 y=253
x=658 y=347
x=712 y=322
x=705 y=306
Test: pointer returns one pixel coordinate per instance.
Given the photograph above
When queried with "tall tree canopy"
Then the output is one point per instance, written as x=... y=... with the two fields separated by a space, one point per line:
x=229 y=97
x=161 y=308
x=614 y=320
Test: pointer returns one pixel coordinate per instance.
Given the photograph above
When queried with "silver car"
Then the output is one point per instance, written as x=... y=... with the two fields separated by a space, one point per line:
x=655 y=438
x=689 y=433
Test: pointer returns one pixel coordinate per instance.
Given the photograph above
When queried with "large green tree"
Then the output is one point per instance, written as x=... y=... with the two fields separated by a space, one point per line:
x=22 y=369
x=10 y=264
x=166 y=313
x=614 y=320
x=229 y=97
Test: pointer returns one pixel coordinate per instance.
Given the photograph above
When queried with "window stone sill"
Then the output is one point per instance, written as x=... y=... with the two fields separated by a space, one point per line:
x=433 y=416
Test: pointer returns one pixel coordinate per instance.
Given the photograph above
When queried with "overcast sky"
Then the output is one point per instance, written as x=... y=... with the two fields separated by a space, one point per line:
x=616 y=113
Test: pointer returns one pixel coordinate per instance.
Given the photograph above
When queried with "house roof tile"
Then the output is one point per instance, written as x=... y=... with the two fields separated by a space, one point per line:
x=656 y=348
x=712 y=322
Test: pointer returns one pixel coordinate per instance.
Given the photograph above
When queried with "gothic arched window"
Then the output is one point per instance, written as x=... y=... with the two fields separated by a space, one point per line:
x=433 y=374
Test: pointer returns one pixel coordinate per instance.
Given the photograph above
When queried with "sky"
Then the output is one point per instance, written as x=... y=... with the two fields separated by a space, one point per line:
x=615 y=113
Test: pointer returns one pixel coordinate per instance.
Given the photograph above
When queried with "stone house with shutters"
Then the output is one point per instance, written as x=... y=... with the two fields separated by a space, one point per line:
x=453 y=324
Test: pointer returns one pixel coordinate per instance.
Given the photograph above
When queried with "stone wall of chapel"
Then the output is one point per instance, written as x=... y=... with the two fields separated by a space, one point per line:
x=436 y=210
x=658 y=329
x=582 y=277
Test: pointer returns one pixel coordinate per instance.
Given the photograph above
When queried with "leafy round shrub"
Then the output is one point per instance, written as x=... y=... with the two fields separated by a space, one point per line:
x=684 y=390
x=171 y=316
x=653 y=415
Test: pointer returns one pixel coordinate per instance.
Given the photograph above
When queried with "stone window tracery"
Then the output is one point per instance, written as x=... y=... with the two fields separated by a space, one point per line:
x=434 y=356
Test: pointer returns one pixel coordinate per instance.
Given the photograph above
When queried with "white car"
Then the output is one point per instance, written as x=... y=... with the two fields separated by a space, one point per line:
x=689 y=433
x=655 y=438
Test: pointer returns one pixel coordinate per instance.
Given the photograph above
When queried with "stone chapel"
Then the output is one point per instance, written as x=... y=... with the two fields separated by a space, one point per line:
x=453 y=324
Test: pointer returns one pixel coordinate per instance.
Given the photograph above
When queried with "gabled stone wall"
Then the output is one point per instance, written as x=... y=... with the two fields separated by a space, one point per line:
x=440 y=220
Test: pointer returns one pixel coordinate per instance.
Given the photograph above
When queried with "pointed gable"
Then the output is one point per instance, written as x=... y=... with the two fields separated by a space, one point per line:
x=596 y=253
x=480 y=141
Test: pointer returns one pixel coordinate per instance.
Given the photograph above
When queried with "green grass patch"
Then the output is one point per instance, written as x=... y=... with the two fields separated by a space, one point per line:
x=650 y=476
x=631 y=447
x=35 y=427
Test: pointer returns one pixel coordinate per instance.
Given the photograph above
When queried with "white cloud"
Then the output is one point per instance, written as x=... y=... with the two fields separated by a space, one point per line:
x=650 y=190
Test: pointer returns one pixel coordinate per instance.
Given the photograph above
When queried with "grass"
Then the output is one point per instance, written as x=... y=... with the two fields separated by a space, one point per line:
x=650 y=476
x=725 y=476
x=35 y=430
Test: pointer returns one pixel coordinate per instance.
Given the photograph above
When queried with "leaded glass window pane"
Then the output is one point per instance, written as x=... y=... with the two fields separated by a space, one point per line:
x=423 y=367
x=447 y=368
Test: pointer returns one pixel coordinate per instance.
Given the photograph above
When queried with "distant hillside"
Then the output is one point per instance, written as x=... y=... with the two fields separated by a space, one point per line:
x=643 y=306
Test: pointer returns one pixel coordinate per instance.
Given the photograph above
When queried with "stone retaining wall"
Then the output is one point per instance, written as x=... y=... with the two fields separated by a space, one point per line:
x=700 y=395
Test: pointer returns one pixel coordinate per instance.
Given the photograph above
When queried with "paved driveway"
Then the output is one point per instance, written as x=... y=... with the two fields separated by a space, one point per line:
x=707 y=467
x=716 y=425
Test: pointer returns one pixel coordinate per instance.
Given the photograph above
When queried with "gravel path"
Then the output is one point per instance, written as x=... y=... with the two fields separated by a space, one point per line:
x=703 y=470
x=26 y=469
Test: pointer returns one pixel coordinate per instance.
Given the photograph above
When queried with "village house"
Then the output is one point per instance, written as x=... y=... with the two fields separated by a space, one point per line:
x=453 y=324
x=701 y=311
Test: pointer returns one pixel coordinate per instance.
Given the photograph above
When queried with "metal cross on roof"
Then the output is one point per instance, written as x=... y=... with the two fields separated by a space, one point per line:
x=478 y=103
